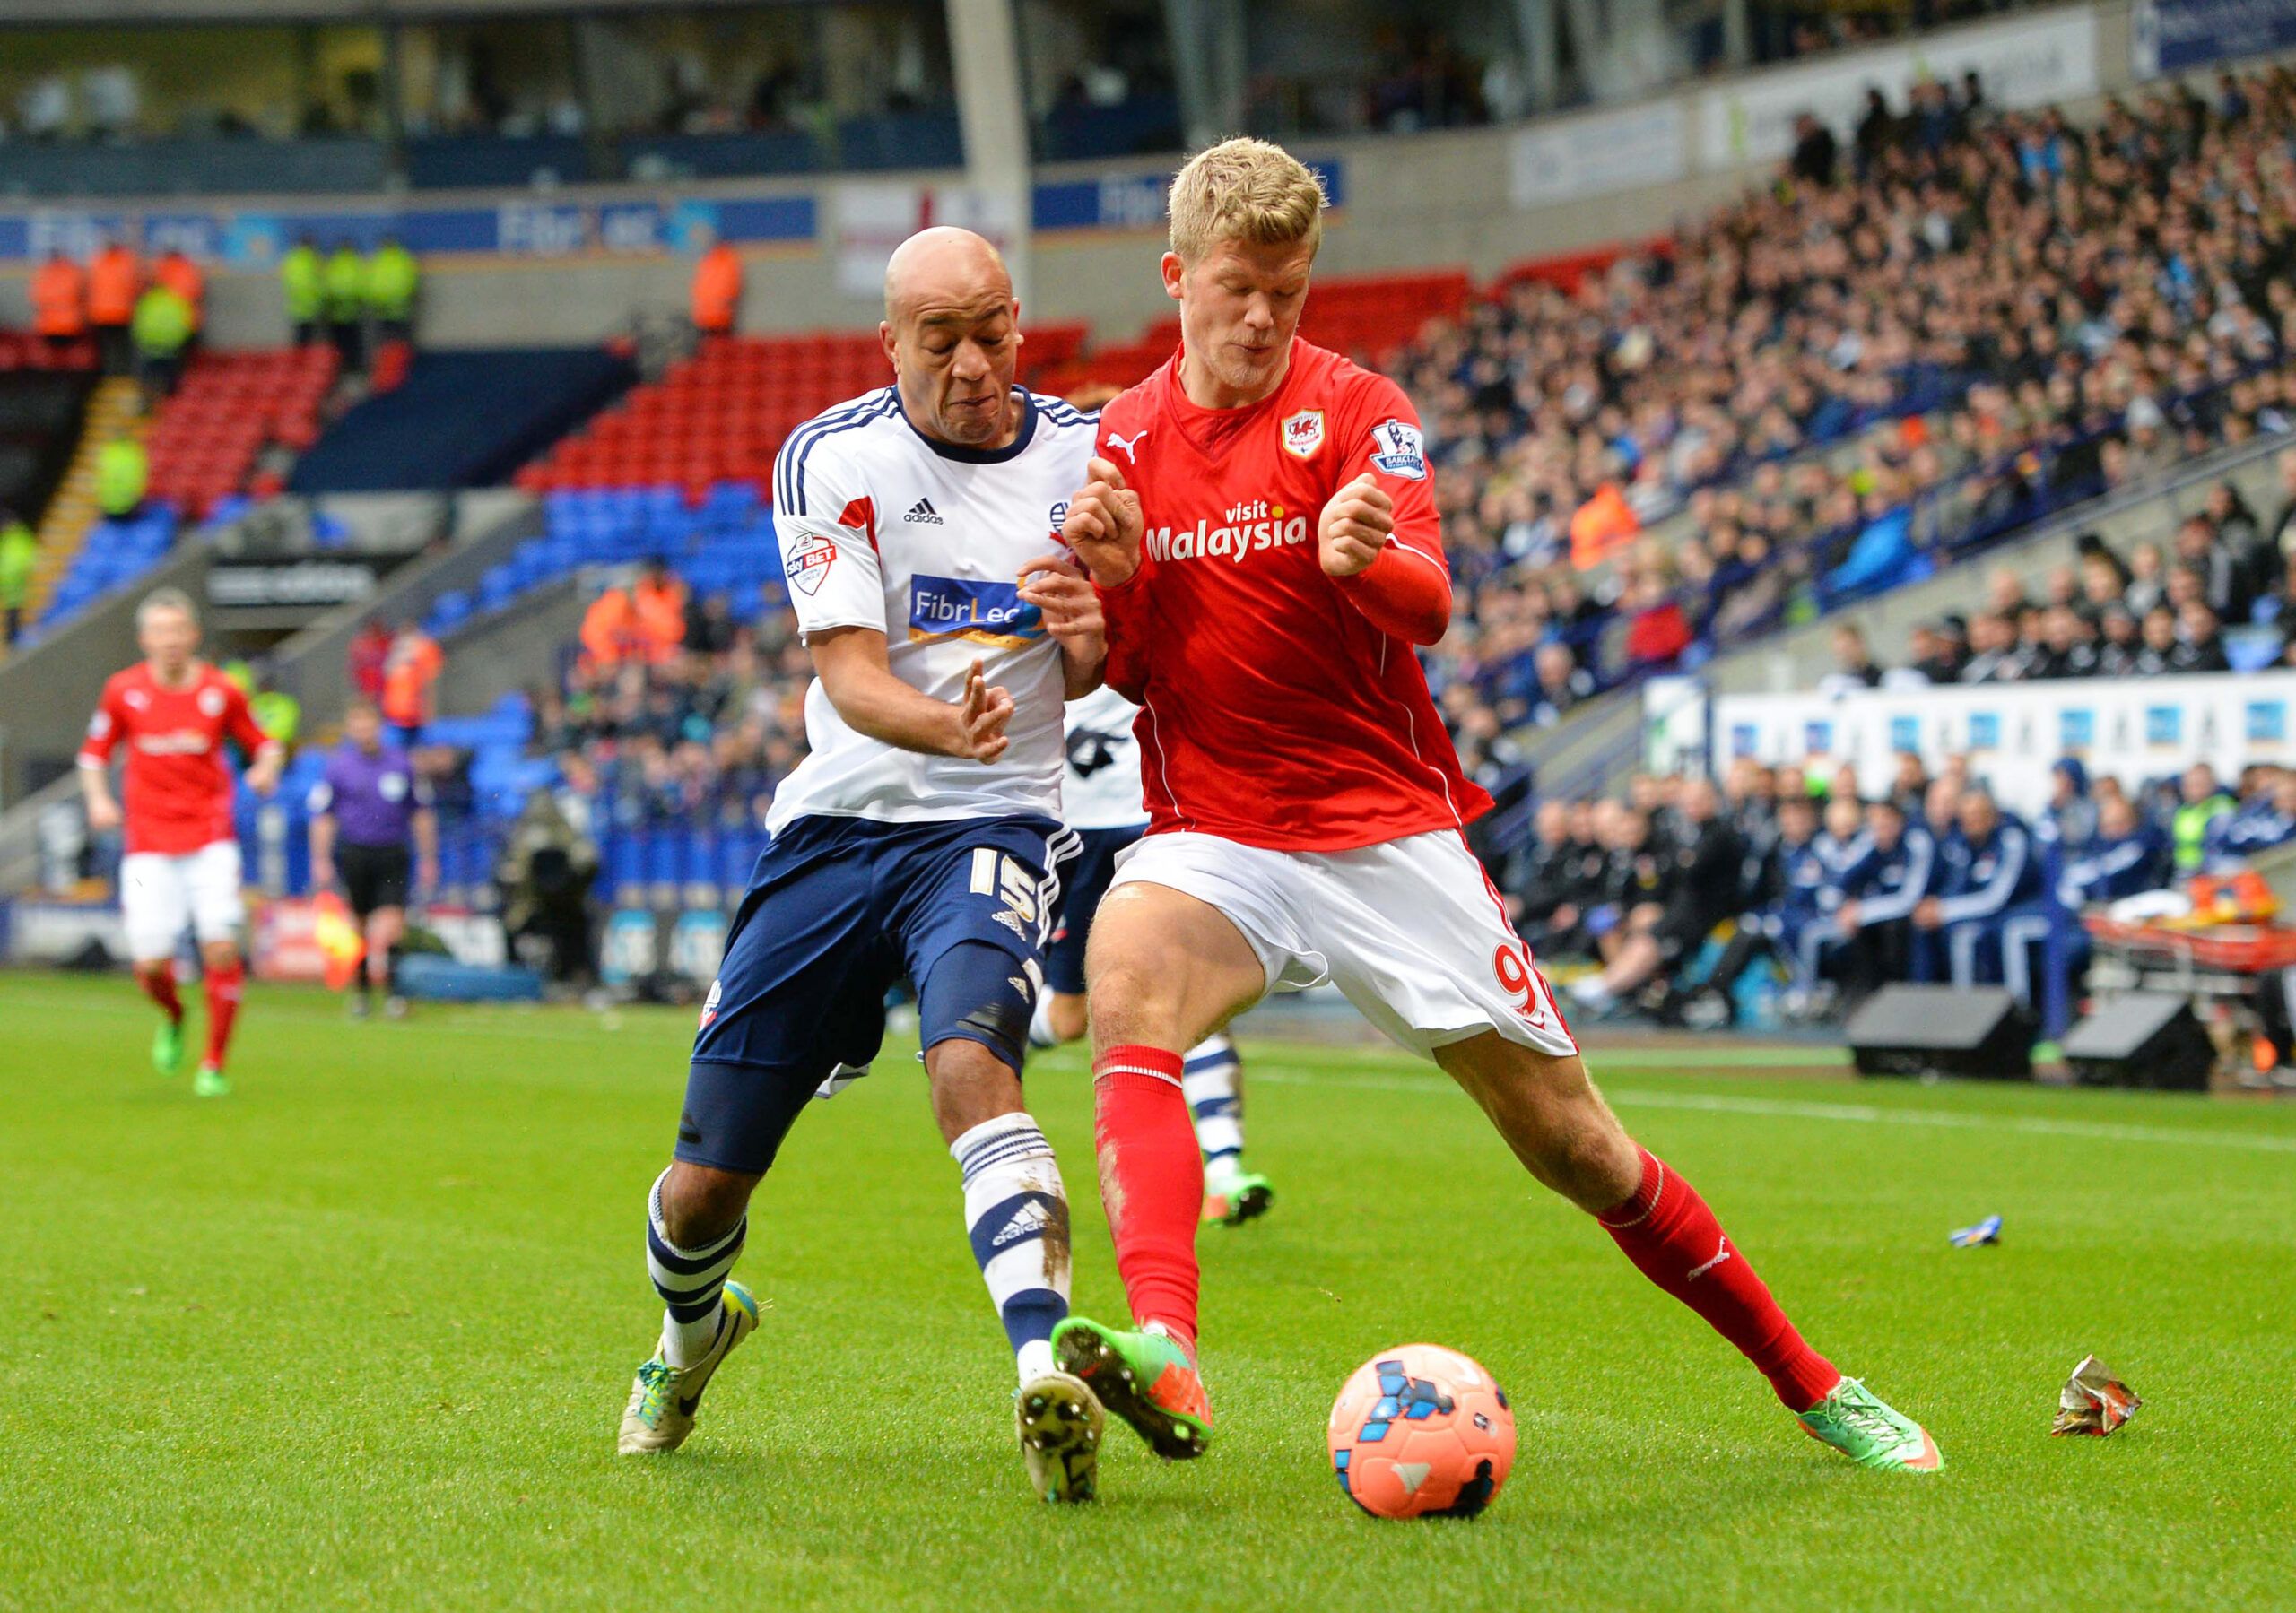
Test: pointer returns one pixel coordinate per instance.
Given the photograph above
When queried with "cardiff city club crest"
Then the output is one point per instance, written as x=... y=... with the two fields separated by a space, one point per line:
x=1303 y=433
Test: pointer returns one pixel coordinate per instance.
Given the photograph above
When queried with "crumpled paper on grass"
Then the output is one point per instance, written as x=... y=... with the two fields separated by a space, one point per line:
x=2093 y=1401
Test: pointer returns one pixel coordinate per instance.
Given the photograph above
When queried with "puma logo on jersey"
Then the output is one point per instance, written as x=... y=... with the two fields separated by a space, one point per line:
x=922 y=511
x=1721 y=1253
x=1128 y=443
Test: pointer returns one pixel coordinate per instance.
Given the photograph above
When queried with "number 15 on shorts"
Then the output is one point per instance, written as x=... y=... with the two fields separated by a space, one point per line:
x=999 y=875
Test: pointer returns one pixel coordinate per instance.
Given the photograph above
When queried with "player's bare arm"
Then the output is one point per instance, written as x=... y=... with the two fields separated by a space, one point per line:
x=1071 y=607
x=854 y=672
x=262 y=773
x=95 y=790
x=1104 y=525
x=1354 y=526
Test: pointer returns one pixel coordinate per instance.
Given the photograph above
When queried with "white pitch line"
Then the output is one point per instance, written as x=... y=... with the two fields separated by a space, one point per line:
x=2095 y=1131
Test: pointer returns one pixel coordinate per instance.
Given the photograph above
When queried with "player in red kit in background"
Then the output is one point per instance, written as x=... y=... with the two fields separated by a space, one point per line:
x=174 y=712
x=1262 y=533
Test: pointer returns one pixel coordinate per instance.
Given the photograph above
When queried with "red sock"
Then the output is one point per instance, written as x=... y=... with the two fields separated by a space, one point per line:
x=1152 y=1181
x=222 y=1007
x=159 y=985
x=1673 y=1240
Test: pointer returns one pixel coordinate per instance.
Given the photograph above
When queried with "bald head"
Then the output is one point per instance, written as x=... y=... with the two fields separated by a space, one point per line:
x=951 y=331
x=944 y=267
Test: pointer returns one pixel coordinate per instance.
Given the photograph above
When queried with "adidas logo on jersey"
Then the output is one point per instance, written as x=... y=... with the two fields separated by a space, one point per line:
x=922 y=510
x=1028 y=1221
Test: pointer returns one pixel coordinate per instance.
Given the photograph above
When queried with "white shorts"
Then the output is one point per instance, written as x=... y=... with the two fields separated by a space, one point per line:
x=1412 y=931
x=159 y=894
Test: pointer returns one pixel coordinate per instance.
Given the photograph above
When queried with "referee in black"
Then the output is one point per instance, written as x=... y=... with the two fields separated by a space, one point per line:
x=374 y=832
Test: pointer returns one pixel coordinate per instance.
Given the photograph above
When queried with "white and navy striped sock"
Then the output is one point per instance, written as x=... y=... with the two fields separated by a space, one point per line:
x=1017 y=1213
x=689 y=1281
x=1212 y=1079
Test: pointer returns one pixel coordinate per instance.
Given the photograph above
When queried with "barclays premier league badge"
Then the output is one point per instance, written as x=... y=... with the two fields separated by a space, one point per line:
x=1396 y=449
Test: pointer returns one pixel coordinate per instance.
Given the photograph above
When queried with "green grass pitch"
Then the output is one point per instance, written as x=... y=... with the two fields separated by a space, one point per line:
x=359 y=1335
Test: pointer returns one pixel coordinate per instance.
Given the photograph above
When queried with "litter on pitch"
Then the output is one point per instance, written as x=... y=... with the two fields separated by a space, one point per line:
x=2093 y=1401
x=1987 y=1231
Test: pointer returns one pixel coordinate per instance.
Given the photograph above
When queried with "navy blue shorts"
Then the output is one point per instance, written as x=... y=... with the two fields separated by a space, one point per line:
x=837 y=910
x=1082 y=889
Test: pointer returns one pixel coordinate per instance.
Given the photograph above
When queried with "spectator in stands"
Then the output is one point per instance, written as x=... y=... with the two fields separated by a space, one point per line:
x=660 y=599
x=1548 y=901
x=1854 y=667
x=2200 y=644
x=716 y=300
x=19 y=558
x=410 y=681
x=344 y=287
x=114 y=279
x=546 y=875
x=2070 y=819
x=1816 y=152
x=182 y=276
x=2202 y=804
x=1701 y=891
x=162 y=329
x=302 y=283
x=1657 y=631
x=59 y=297
x=2119 y=642
x=1562 y=683
x=123 y=471
x=1990 y=871
x=1780 y=900
x=2070 y=645
x=392 y=279
x=370 y=650
x=1880 y=890
x=710 y=626
x=2127 y=857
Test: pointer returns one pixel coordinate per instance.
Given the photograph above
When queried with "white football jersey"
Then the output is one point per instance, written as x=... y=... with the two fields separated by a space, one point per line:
x=1101 y=787
x=880 y=527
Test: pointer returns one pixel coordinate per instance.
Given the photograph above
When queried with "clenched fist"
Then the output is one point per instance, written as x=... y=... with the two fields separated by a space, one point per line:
x=1104 y=525
x=1354 y=526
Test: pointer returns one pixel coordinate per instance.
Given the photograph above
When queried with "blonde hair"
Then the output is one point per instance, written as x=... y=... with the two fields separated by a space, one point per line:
x=166 y=599
x=1245 y=190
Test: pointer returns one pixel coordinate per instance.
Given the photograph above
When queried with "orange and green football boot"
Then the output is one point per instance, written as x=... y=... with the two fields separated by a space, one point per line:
x=1855 y=1421
x=1144 y=1376
x=1238 y=1197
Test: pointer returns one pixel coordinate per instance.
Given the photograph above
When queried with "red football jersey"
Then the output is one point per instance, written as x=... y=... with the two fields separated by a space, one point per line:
x=1275 y=712
x=178 y=792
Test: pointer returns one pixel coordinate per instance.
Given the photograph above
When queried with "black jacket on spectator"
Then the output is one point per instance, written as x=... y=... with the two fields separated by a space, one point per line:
x=2204 y=657
x=1708 y=864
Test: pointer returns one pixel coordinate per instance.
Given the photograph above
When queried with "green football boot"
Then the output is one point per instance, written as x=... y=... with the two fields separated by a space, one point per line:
x=1143 y=1376
x=1059 y=1422
x=209 y=1082
x=1239 y=1197
x=167 y=1047
x=1854 y=1420
x=663 y=1398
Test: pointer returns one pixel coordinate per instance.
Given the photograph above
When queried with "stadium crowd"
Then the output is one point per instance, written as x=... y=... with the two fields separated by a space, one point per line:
x=2218 y=596
x=1666 y=902
x=1970 y=320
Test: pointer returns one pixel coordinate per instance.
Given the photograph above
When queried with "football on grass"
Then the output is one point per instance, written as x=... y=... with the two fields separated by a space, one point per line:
x=1421 y=1432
